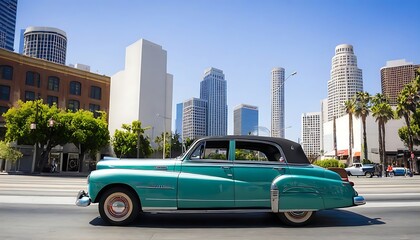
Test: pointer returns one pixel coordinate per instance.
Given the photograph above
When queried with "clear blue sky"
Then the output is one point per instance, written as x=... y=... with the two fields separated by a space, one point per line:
x=246 y=39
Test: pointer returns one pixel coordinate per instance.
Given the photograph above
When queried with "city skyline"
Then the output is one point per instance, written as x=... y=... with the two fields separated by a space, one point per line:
x=246 y=40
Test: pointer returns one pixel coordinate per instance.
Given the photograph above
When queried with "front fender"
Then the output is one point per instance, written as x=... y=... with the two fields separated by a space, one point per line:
x=295 y=192
x=154 y=188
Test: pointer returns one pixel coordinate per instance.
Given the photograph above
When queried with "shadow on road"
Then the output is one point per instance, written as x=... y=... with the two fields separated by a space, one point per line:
x=327 y=218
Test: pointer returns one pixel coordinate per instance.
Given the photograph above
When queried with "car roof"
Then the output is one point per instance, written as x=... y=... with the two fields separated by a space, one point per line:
x=293 y=151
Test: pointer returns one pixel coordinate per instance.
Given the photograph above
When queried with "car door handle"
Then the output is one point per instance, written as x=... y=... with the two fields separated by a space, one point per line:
x=278 y=168
x=225 y=167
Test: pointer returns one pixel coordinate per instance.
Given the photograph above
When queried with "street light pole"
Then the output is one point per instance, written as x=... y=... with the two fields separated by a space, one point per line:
x=164 y=133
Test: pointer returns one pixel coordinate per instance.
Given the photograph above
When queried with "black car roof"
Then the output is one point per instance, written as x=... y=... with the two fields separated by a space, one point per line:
x=293 y=151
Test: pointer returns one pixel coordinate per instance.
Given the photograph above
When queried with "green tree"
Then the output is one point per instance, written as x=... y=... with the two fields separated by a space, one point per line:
x=349 y=106
x=382 y=112
x=88 y=133
x=44 y=135
x=164 y=140
x=131 y=142
x=361 y=110
x=8 y=153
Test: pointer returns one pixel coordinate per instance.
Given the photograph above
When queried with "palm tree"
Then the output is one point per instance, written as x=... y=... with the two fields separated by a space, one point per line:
x=406 y=105
x=349 y=106
x=382 y=111
x=361 y=110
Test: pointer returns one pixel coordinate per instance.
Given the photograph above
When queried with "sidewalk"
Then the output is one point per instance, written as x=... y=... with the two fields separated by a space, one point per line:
x=58 y=174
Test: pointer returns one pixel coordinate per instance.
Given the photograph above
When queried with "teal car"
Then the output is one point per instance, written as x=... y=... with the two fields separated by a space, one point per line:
x=219 y=173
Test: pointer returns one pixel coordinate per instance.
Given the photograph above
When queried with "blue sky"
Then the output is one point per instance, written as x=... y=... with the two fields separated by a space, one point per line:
x=246 y=39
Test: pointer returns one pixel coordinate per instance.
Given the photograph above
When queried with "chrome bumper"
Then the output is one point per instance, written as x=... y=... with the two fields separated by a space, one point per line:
x=83 y=199
x=359 y=200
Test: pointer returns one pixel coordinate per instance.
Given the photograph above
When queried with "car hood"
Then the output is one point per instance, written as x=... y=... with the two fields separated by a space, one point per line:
x=139 y=164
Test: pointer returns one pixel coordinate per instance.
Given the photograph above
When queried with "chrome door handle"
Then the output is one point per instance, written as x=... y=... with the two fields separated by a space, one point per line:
x=225 y=167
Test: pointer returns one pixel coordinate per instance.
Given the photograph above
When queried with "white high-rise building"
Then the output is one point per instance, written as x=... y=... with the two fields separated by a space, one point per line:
x=277 y=102
x=143 y=90
x=45 y=43
x=194 y=118
x=346 y=80
x=213 y=89
x=311 y=134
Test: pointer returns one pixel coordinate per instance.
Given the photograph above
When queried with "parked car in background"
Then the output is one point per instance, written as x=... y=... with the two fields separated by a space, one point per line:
x=401 y=171
x=359 y=169
x=220 y=173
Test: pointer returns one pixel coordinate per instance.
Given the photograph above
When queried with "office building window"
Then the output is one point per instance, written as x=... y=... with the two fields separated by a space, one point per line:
x=95 y=108
x=95 y=92
x=73 y=105
x=53 y=83
x=33 y=79
x=4 y=92
x=75 y=88
x=6 y=72
x=29 y=96
x=51 y=100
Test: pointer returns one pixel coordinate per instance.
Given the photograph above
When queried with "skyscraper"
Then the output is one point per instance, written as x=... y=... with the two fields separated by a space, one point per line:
x=213 y=89
x=394 y=76
x=277 y=102
x=178 y=118
x=8 y=9
x=245 y=119
x=143 y=90
x=45 y=43
x=346 y=80
x=311 y=134
x=194 y=120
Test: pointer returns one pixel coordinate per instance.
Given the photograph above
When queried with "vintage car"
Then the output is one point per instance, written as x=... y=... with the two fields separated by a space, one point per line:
x=219 y=173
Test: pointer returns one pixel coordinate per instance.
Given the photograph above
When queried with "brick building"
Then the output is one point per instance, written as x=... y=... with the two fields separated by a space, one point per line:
x=27 y=78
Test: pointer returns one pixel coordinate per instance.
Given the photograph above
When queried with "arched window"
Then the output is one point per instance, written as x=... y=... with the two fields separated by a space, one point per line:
x=33 y=79
x=6 y=72
x=53 y=83
x=75 y=88
x=73 y=105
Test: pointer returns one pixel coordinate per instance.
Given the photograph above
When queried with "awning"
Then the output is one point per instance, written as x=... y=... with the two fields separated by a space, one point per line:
x=356 y=154
x=344 y=152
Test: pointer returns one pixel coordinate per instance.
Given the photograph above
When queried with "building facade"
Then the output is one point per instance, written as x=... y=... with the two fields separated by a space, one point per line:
x=178 y=118
x=311 y=134
x=26 y=78
x=194 y=118
x=8 y=9
x=143 y=90
x=346 y=80
x=245 y=119
x=213 y=89
x=45 y=43
x=394 y=76
x=277 y=102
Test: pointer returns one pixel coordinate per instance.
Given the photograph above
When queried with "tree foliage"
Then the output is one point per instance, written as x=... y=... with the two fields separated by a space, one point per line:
x=54 y=127
x=131 y=142
x=8 y=153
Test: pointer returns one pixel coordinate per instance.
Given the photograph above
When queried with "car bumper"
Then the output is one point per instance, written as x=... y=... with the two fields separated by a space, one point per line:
x=83 y=199
x=359 y=200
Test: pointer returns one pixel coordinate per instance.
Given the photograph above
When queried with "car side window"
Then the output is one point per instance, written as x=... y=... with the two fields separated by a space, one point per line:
x=214 y=150
x=257 y=151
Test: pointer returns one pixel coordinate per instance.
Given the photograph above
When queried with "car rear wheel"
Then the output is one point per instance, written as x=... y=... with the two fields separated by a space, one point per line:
x=368 y=174
x=119 y=206
x=296 y=218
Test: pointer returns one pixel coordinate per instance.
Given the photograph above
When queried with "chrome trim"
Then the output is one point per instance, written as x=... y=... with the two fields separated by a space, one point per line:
x=299 y=210
x=274 y=195
x=164 y=187
x=359 y=200
x=83 y=199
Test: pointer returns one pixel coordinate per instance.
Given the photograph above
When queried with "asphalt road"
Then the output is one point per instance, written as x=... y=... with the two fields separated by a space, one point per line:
x=34 y=207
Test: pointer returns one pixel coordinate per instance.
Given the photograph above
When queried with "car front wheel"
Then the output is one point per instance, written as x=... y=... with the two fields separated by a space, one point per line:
x=296 y=218
x=119 y=206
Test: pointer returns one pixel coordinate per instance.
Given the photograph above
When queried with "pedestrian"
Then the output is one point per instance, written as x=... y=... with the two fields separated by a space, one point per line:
x=389 y=171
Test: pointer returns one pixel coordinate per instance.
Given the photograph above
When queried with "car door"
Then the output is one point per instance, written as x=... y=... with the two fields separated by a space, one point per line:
x=256 y=165
x=206 y=177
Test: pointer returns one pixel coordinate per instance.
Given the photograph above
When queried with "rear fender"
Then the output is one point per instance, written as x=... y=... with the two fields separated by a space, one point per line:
x=295 y=192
